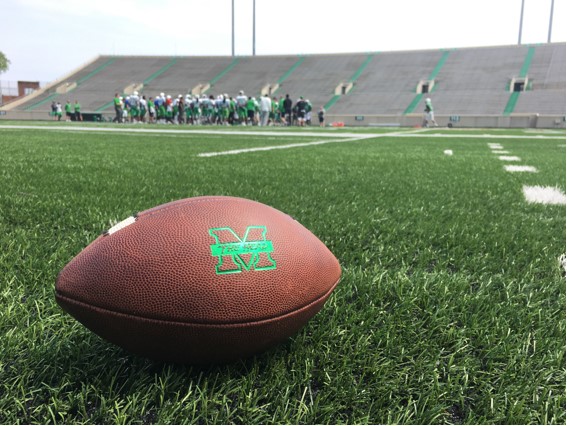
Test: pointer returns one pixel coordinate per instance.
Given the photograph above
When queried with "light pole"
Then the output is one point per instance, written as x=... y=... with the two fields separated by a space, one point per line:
x=254 y=28
x=521 y=23
x=550 y=23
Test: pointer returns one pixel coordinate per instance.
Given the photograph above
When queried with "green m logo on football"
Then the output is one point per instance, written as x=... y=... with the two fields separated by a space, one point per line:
x=235 y=254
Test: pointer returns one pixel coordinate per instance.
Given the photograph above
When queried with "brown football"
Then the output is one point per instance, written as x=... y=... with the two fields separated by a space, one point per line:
x=200 y=280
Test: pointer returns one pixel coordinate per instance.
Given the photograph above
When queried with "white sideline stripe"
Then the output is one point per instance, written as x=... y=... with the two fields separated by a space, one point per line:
x=544 y=195
x=483 y=136
x=165 y=130
x=542 y=131
x=530 y=169
x=273 y=147
x=509 y=158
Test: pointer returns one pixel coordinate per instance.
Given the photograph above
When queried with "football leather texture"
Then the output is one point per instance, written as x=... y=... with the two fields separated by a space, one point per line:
x=201 y=280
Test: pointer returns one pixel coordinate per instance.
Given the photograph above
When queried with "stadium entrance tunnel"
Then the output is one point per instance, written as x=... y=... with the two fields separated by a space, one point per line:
x=343 y=88
x=424 y=86
x=519 y=84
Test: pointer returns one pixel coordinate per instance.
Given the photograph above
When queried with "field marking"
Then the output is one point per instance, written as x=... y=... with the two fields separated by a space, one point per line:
x=411 y=133
x=189 y=131
x=544 y=195
x=529 y=169
x=482 y=136
x=448 y=152
x=144 y=134
x=273 y=147
x=354 y=138
x=500 y=152
x=509 y=158
x=543 y=131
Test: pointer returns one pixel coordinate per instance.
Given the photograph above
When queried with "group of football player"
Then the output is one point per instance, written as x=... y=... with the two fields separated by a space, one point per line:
x=208 y=109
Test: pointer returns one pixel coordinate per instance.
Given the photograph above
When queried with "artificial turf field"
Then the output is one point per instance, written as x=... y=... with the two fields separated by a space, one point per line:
x=451 y=307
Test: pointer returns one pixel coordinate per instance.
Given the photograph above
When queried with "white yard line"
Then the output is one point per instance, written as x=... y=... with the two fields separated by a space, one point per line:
x=163 y=129
x=273 y=147
x=188 y=131
x=335 y=137
x=352 y=138
x=482 y=136
x=543 y=195
x=529 y=169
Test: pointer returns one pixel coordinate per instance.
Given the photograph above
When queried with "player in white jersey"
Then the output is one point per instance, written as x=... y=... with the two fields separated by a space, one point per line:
x=134 y=107
x=429 y=115
x=143 y=109
x=241 y=101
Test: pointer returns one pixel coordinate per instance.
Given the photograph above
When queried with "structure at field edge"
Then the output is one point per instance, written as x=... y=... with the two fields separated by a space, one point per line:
x=501 y=86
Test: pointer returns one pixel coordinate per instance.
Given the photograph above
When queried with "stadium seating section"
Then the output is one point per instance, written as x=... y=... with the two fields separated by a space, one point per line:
x=461 y=81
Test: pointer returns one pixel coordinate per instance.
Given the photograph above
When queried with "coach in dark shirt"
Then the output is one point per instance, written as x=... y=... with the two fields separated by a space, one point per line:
x=301 y=106
x=287 y=104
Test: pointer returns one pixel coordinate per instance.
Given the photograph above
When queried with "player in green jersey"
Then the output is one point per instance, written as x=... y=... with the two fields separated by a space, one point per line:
x=78 y=116
x=68 y=110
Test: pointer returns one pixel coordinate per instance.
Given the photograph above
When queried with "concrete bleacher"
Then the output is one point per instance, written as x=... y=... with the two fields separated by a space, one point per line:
x=186 y=74
x=97 y=83
x=253 y=74
x=317 y=77
x=466 y=81
x=474 y=81
x=470 y=81
x=58 y=91
x=546 y=77
x=123 y=72
x=388 y=84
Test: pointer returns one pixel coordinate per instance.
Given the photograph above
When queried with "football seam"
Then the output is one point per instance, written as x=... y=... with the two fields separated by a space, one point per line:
x=200 y=324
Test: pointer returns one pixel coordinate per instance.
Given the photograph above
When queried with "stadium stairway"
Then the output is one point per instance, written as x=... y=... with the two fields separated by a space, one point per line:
x=145 y=82
x=254 y=74
x=511 y=105
x=431 y=80
x=72 y=86
x=476 y=80
x=545 y=92
x=388 y=83
x=345 y=89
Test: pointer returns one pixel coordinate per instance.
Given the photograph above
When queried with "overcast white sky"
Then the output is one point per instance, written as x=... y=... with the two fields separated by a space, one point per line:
x=45 y=39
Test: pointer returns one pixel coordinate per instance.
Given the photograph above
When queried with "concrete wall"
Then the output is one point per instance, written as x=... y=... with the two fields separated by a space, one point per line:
x=461 y=121
x=513 y=121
